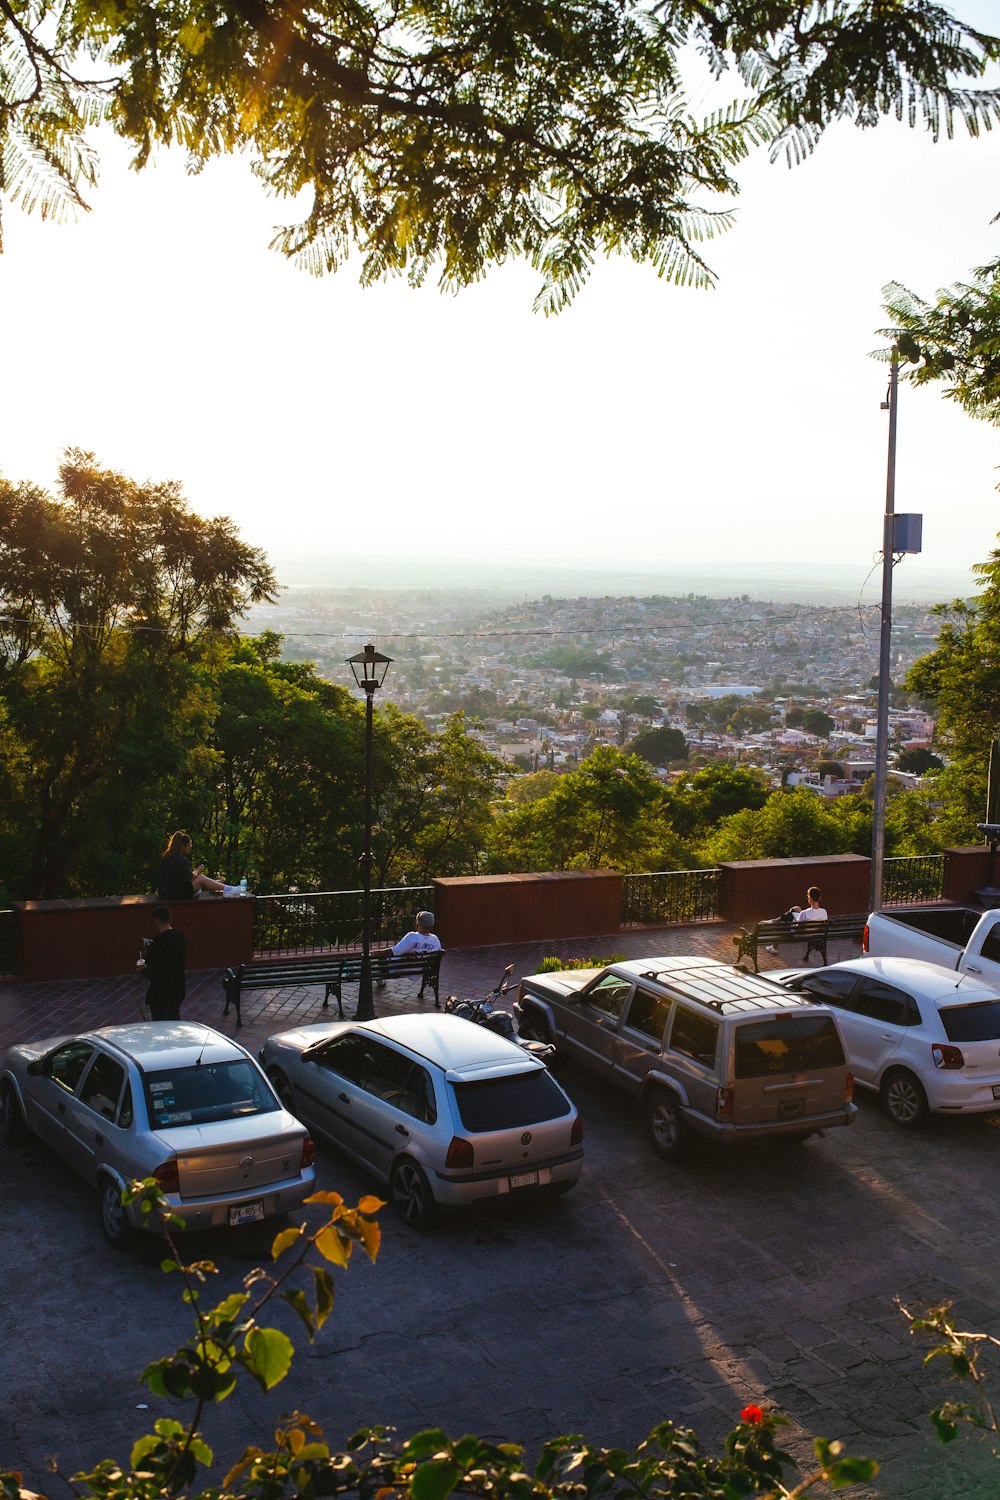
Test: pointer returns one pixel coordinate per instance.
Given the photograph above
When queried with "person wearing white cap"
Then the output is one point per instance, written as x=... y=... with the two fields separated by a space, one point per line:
x=421 y=940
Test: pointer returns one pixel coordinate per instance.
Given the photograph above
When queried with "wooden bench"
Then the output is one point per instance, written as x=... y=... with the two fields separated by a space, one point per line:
x=815 y=935
x=332 y=970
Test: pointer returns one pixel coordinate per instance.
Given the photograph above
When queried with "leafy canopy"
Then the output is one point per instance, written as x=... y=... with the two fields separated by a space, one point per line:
x=458 y=135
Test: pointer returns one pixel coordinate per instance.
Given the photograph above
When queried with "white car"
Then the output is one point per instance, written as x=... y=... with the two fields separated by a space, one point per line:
x=446 y=1112
x=923 y=1036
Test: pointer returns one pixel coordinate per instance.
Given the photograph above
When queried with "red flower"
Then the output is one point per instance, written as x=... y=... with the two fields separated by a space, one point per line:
x=752 y=1415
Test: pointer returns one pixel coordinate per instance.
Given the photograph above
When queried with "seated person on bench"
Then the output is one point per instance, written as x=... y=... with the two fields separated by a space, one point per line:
x=421 y=940
x=814 y=912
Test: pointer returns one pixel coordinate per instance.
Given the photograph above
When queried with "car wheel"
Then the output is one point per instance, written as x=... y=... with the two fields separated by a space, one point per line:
x=114 y=1220
x=904 y=1100
x=283 y=1089
x=668 y=1135
x=533 y=1029
x=14 y=1125
x=411 y=1194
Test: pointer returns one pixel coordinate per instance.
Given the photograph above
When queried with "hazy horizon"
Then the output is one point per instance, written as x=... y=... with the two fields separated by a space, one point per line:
x=824 y=583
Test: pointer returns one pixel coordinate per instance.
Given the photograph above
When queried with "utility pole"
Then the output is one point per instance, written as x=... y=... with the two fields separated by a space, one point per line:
x=899 y=534
x=884 y=651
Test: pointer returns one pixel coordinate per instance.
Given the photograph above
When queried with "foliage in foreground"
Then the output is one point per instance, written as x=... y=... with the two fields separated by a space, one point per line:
x=229 y=1341
x=427 y=134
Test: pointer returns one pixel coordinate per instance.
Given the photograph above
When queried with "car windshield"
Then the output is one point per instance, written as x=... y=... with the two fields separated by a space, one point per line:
x=207 y=1092
x=510 y=1102
x=972 y=1023
x=787 y=1044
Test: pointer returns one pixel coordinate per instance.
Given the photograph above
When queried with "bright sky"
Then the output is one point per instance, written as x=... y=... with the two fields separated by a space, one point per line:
x=646 y=425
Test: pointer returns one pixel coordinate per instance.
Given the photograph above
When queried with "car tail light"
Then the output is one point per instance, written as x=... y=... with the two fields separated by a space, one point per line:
x=308 y=1153
x=947 y=1057
x=576 y=1134
x=167 y=1176
x=864 y=939
x=460 y=1154
x=724 y=1104
x=848 y=1088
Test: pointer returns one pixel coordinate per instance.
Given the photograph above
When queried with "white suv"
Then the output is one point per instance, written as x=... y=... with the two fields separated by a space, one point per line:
x=923 y=1036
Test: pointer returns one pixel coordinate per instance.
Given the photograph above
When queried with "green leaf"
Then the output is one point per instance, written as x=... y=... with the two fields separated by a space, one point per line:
x=267 y=1354
x=286 y=1239
x=435 y=1479
x=297 y=1299
x=324 y=1289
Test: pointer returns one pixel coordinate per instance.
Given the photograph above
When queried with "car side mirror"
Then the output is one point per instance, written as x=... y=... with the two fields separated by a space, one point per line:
x=36 y=1068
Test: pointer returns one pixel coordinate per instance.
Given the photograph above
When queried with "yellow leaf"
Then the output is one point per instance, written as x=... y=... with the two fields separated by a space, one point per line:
x=333 y=1246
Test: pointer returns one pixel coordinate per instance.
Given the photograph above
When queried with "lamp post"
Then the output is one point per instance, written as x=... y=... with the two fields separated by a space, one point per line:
x=369 y=667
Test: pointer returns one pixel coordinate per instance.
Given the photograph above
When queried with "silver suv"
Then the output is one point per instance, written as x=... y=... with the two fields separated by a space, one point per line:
x=707 y=1049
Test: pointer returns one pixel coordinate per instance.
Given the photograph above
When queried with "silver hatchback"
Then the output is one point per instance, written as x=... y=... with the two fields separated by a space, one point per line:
x=447 y=1113
x=169 y=1100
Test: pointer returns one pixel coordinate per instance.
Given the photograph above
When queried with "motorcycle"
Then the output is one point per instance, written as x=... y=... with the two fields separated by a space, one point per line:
x=486 y=1013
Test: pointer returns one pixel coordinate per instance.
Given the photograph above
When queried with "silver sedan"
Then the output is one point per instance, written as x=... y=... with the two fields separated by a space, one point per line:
x=169 y=1100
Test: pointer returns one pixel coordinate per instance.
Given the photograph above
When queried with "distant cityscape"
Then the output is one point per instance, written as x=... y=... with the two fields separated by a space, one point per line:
x=548 y=678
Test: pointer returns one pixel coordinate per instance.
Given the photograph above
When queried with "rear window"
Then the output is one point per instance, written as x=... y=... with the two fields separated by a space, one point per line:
x=505 y=1103
x=200 y=1095
x=972 y=1023
x=787 y=1044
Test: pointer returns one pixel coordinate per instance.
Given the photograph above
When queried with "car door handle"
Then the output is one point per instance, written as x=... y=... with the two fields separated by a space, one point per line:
x=344 y=1098
x=99 y=1139
x=62 y=1109
x=401 y=1130
x=887 y=1036
x=969 y=969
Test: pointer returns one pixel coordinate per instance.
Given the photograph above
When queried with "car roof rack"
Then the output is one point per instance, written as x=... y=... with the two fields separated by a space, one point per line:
x=726 y=989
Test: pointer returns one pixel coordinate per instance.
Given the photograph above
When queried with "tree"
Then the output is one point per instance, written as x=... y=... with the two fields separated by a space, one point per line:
x=815 y=721
x=696 y=804
x=790 y=825
x=954 y=340
x=919 y=761
x=961 y=676
x=660 y=746
x=830 y=768
x=605 y=814
x=428 y=134
x=111 y=595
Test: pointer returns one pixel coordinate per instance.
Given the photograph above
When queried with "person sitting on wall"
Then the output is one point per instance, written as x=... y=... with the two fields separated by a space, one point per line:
x=178 y=882
x=163 y=965
x=421 y=940
x=814 y=912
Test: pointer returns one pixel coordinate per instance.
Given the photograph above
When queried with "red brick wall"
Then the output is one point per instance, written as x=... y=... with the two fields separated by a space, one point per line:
x=750 y=889
x=477 y=910
x=100 y=938
x=965 y=872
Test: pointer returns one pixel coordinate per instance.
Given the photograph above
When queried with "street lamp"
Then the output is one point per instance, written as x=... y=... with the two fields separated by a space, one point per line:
x=369 y=667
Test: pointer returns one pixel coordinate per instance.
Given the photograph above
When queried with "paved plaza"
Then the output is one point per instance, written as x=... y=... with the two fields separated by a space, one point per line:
x=650 y=1291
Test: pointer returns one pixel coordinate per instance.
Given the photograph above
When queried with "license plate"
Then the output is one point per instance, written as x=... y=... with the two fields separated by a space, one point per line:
x=524 y=1179
x=790 y=1107
x=996 y=1091
x=246 y=1213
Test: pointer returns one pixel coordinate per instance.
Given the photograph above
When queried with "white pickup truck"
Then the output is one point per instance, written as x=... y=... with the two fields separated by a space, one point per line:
x=953 y=936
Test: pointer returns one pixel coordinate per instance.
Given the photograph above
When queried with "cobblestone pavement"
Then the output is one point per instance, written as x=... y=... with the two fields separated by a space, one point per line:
x=651 y=1291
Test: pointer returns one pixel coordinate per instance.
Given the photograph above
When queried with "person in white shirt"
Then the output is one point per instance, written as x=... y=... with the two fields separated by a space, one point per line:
x=814 y=912
x=421 y=940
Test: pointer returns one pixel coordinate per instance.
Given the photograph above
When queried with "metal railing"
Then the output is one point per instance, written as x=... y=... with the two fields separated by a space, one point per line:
x=913 y=877
x=6 y=942
x=324 y=921
x=669 y=896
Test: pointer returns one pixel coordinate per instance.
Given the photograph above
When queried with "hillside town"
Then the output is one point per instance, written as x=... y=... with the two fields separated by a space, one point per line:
x=788 y=687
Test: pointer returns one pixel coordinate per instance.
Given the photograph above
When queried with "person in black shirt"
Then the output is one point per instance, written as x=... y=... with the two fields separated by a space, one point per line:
x=163 y=966
x=177 y=881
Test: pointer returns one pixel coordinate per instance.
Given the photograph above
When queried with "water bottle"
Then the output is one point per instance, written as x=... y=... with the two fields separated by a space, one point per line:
x=243 y=886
